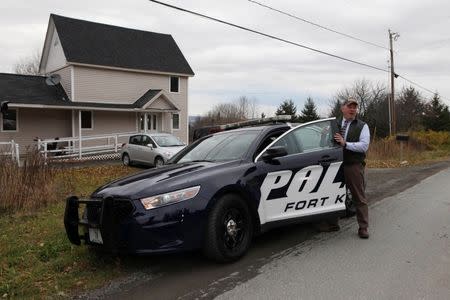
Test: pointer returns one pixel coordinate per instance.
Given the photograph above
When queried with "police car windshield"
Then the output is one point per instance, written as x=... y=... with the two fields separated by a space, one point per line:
x=220 y=147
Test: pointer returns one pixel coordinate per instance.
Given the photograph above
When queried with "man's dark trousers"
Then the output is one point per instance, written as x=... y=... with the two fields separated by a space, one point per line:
x=355 y=181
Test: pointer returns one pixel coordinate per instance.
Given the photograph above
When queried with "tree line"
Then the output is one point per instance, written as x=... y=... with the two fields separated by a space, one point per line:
x=413 y=110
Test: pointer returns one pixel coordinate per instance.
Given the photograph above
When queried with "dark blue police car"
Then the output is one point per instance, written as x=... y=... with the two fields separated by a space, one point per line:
x=218 y=193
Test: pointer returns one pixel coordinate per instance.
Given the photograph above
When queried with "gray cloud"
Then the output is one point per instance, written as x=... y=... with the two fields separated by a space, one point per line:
x=229 y=62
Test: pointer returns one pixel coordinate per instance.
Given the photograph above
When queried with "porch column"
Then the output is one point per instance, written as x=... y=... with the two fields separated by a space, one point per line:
x=79 y=134
x=145 y=122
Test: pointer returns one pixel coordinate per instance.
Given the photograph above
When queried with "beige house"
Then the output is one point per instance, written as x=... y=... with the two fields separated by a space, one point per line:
x=99 y=79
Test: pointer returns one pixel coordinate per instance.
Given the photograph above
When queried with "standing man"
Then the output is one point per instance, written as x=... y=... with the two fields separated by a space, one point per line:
x=354 y=137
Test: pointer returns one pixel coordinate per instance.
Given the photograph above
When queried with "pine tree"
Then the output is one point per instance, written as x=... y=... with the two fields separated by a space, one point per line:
x=287 y=108
x=437 y=115
x=335 y=108
x=309 y=111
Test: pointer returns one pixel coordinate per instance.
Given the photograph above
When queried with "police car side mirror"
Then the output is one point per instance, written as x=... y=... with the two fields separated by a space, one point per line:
x=272 y=152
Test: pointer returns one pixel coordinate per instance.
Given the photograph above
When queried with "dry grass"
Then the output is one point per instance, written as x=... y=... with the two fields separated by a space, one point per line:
x=422 y=147
x=26 y=188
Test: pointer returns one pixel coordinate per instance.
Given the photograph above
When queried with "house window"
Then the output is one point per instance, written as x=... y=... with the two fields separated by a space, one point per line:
x=174 y=84
x=87 y=120
x=176 y=121
x=9 y=120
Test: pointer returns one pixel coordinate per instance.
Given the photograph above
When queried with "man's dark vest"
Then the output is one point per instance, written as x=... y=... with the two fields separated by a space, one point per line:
x=353 y=134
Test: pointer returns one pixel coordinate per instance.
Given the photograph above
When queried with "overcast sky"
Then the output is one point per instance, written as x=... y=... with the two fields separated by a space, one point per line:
x=229 y=62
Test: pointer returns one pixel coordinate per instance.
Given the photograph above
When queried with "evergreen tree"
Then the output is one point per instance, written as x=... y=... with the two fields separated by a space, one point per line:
x=335 y=108
x=287 y=108
x=309 y=112
x=437 y=115
x=410 y=109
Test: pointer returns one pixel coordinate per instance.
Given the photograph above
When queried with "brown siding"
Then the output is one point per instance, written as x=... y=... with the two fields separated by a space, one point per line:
x=42 y=123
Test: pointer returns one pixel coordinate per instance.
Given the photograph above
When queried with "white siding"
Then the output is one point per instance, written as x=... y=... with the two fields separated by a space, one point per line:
x=113 y=86
x=66 y=80
x=56 y=58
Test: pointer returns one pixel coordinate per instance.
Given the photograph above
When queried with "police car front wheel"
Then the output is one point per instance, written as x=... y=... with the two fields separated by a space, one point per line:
x=230 y=230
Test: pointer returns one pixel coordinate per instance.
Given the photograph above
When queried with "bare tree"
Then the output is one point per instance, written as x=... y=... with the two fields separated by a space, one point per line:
x=28 y=65
x=241 y=109
x=247 y=107
x=373 y=105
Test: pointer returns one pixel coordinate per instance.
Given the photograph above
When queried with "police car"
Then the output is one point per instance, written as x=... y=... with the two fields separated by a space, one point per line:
x=218 y=193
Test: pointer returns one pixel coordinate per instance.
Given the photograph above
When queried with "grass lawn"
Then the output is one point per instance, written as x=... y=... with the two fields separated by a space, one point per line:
x=37 y=260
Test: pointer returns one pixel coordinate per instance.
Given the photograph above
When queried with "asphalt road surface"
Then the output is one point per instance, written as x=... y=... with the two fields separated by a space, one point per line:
x=407 y=255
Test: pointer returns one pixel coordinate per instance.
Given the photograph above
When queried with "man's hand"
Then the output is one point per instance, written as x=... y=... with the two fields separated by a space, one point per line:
x=339 y=139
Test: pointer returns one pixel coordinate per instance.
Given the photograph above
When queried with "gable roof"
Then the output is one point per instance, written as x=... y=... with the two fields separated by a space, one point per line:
x=106 y=45
x=33 y=90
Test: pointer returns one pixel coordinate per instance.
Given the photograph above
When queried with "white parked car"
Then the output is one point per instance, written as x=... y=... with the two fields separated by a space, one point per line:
x=150 y=148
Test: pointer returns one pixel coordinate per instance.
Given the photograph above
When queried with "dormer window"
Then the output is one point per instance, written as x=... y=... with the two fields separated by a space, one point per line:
x=174 y=84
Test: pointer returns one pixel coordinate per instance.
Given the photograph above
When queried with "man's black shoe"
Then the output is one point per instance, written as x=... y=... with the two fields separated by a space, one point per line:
x=363 y=233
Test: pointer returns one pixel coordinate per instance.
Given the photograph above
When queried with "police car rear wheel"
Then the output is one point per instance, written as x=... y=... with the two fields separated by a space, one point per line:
x=229 y=231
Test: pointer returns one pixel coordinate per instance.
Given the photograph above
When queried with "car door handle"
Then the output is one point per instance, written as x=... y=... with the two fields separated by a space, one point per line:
x=326 y=160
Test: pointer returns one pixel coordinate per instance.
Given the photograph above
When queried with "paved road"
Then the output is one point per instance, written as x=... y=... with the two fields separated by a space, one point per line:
x=406 y=257
x=190 y=276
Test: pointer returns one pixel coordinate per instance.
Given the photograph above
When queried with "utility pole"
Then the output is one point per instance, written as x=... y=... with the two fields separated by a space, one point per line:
x=392 y=121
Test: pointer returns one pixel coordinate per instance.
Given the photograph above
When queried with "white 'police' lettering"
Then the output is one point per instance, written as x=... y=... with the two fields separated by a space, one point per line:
x=302 y=196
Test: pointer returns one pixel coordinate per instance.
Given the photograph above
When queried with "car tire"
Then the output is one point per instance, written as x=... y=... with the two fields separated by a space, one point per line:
x=159 y=162
x=229 y=230
x=350 y=209
x=126 y=160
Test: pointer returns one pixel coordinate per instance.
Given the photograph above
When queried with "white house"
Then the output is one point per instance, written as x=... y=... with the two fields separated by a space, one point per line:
x=109 y=80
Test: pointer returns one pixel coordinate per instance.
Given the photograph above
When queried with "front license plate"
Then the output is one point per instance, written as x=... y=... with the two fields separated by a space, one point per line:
x=95 y=236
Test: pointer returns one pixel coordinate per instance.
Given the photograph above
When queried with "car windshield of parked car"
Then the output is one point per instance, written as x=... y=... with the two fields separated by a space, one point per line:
x=220 y=147
x=167 y=141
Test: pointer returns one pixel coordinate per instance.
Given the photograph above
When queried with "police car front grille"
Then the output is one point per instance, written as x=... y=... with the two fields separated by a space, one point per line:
x=121 y=208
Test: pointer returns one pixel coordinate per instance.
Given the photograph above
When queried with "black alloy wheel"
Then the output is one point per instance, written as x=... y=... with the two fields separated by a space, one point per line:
x=230 y=230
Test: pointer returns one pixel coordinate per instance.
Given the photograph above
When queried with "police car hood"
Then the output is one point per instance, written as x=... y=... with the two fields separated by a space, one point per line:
x=160 y=180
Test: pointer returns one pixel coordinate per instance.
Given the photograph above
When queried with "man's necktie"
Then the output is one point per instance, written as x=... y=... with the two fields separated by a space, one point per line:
x=344 y=128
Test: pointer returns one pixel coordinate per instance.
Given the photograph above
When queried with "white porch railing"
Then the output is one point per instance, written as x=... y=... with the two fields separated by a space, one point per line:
x=74 y=147
x=13 y=150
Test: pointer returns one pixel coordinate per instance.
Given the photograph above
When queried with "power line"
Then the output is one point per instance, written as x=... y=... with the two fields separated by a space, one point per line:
x=318 y=25
x=288 y=42
x=269 y=36
x=416 y=84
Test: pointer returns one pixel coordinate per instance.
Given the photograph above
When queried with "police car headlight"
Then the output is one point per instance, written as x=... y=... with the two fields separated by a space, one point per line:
x=170 y=198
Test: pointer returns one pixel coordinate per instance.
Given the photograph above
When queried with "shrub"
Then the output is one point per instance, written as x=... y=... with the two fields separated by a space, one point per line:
x=432 y=139
x=28 y=187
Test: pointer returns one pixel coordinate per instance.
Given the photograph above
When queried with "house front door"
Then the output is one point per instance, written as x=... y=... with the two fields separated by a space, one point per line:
x=149 y=122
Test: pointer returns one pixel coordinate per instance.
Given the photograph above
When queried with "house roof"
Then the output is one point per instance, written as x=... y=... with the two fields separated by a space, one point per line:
x=30 y=89
x=106 y=45
x=33 y=90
